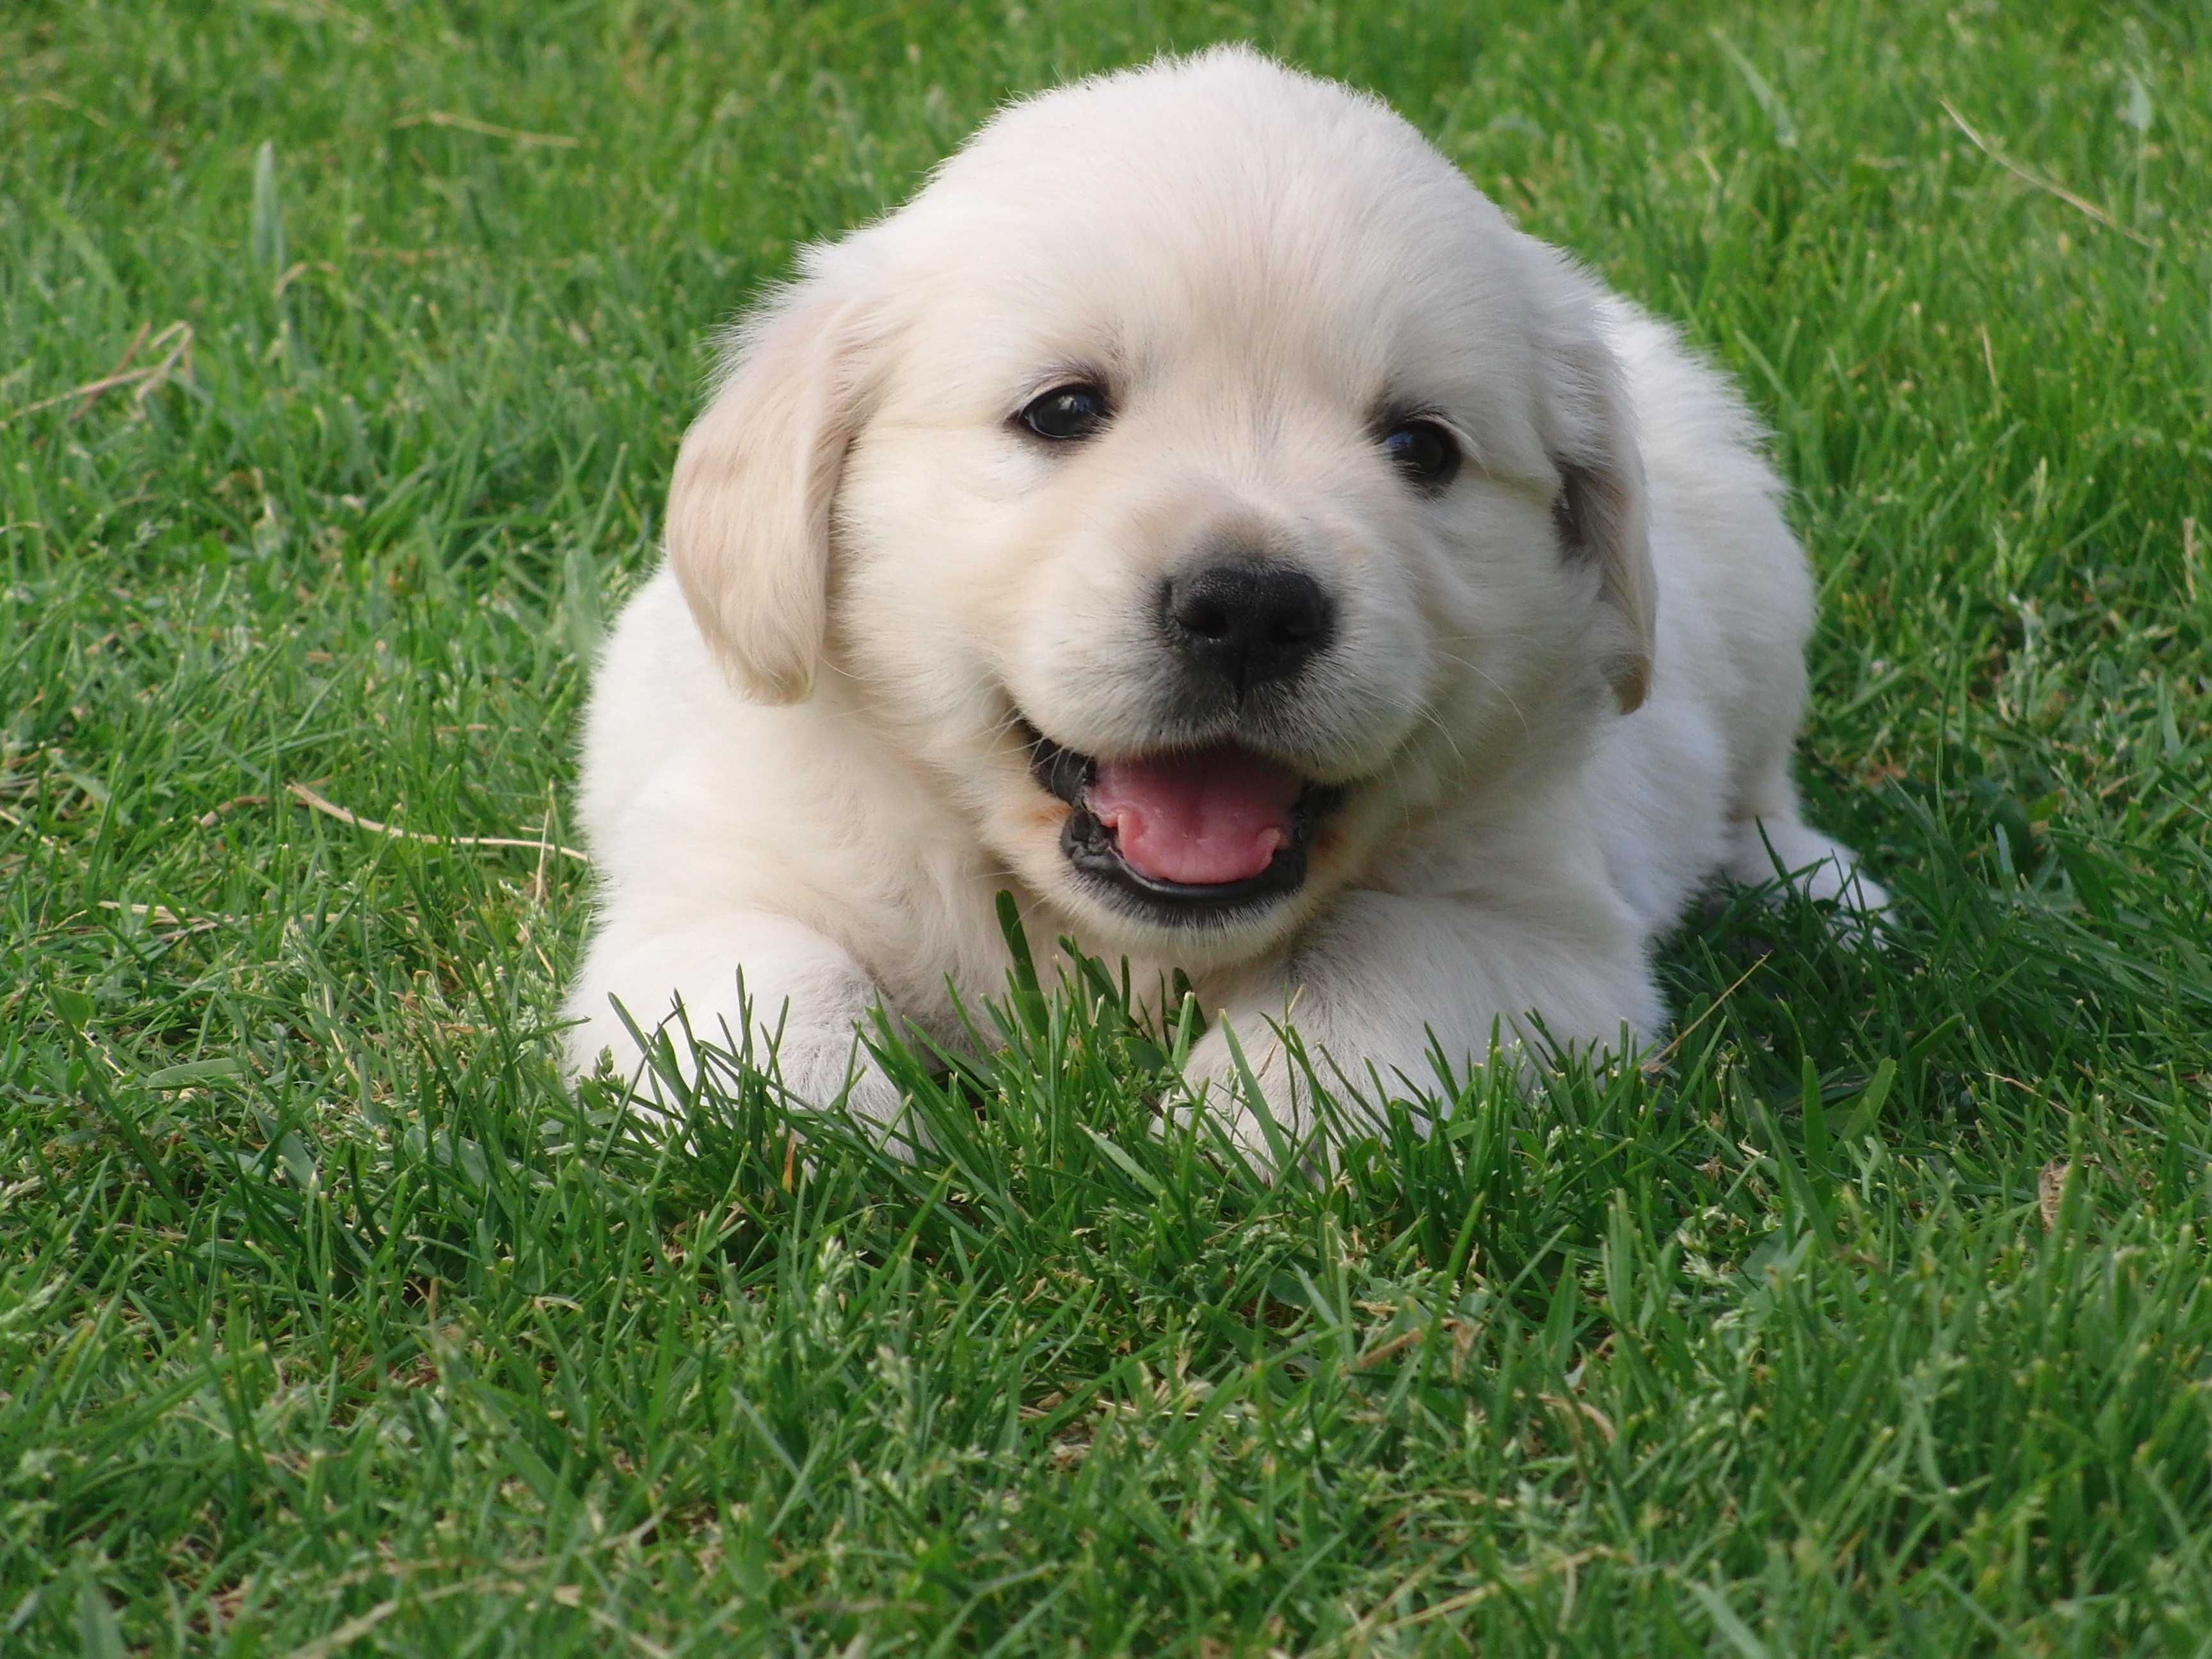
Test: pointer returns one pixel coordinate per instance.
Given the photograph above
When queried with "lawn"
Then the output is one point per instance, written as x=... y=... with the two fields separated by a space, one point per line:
x=344 y=347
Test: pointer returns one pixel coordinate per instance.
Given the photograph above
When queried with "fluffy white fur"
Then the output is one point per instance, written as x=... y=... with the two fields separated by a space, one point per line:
x=1561 y=699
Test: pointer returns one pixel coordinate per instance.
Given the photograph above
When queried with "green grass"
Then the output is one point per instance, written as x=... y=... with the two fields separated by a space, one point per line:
x=329 y=1324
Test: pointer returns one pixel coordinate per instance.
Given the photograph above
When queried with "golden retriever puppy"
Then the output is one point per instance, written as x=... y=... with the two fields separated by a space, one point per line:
x=1202 y=513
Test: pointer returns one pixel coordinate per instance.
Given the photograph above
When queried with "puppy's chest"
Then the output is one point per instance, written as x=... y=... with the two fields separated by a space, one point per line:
x=951 y=959
x=936 y=948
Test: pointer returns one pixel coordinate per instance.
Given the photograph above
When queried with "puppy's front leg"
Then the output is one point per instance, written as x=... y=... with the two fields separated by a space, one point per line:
x=804 y=996
x=1385 y=981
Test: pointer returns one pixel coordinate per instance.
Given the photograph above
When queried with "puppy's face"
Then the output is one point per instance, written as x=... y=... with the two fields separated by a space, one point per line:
x=1208 y=484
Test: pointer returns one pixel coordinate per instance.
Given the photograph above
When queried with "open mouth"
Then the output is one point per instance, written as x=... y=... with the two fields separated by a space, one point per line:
x=1184 y=834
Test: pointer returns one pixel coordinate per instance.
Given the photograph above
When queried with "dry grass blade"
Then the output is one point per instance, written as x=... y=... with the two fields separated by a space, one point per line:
x=2050 y=1189
x=1656 y=1063
x=439 y=118
x=148 y=379
x=161 y=916
x=214 y=815
x=2048 y=187
x=121 y=364
x=308 y=797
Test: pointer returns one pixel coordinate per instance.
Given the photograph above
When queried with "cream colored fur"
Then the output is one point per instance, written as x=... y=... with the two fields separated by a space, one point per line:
x=801 y=768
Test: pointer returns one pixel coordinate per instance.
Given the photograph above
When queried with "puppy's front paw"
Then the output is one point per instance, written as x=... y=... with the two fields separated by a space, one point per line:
x=1212 y=1094
x=822 y=1068
x=1263 y=1105
x=1789 y=852
x=810 y=1066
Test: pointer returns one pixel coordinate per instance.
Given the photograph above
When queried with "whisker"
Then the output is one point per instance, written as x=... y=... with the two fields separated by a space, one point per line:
x=1497 y=685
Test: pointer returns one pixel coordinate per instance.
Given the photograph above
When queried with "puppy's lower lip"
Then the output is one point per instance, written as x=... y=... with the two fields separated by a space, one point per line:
x=1091 y=844
x=1060 y=771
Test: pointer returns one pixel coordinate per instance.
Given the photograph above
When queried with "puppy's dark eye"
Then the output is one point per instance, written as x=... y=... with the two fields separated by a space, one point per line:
x=1424 y=452
x=1066 y=412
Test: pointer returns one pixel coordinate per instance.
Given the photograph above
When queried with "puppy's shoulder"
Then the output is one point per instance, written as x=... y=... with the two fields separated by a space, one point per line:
x=656 y=695
x=653 y=669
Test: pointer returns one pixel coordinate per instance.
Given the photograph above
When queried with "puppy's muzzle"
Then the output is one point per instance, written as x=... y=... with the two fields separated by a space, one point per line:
x=1211 y=821
x=1246 y=622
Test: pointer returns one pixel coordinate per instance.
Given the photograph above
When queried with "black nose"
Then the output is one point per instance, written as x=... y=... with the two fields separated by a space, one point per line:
x=1250 y=623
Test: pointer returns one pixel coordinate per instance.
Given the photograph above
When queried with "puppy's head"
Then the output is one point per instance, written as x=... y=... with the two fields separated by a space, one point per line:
x=1200 y=478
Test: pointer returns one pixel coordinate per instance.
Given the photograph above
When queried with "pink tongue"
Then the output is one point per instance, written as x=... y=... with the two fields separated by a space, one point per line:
x=1201 y=818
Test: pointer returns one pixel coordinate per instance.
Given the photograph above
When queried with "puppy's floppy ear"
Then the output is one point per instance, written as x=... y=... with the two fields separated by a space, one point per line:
x=1600 y=509
x=749 y=505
